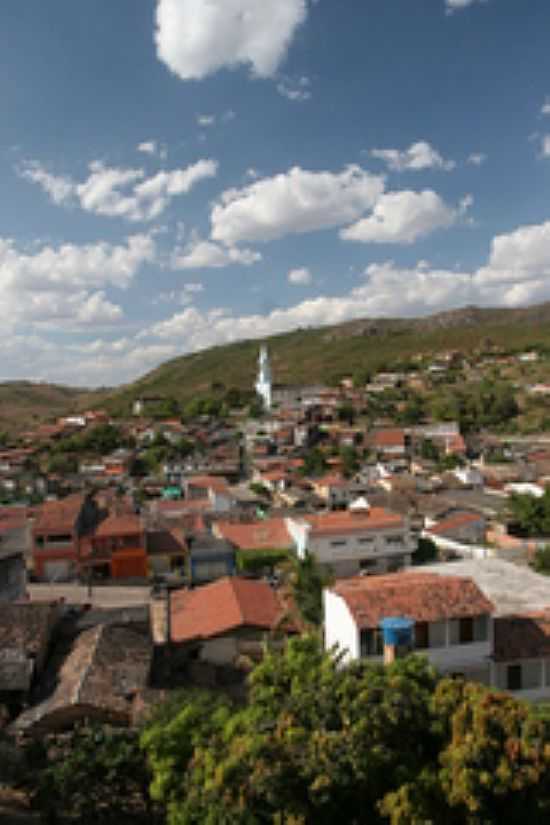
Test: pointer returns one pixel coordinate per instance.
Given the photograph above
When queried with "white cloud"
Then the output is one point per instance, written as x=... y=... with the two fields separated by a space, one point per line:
x=294 y=202
x=148 y=147
x=59 y=188
x=206 y=120
x=63 y=286
x=120 y=192
x=184 y=296
x=199 y=254
x=545 y=146
x=403 y=217
x=418 y=156
x=476 y=159
x=195 y=38
x=298 y=91
x=456 y=5
x=299 y=277
x=545 y=108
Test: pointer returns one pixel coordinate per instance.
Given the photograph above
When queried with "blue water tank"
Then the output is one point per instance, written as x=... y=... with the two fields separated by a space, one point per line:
x=398 y=631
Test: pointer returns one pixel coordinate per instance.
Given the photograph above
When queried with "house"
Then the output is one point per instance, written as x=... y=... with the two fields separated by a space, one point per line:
x=25 y=634
x=209 y=558
x=388 y=443
x=449 y=616
x=268 y=534
x=166 y=551
x=362 y=540
x=106 y=668
x=118 y=547
x=57 y=534
x=521 y=655
x=213 y=489
x=333 y=489
x=222 y=621
x=463 y=526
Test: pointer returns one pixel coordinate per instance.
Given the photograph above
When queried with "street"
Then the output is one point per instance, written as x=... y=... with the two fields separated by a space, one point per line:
x=101 y=596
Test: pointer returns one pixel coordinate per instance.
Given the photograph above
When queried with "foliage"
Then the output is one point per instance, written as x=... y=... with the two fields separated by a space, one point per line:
x=346 y=413
x=541 y=562
x=529 y=515
x=91 y=775
x=307 y=581
x=425 y=552
x=315 y=463
x=487 y=404
x=429 y=450
x=260 y=490
x=256 y=561
x=350 y=461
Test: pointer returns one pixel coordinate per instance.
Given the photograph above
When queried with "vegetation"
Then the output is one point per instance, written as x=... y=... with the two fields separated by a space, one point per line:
x=316 y=744
x=541 y=562
x=307 y=580
x=257 y=561
x=425 y=552
x=529 y=515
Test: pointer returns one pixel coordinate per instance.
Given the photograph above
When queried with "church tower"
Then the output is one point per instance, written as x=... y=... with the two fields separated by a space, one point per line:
x=263 y=382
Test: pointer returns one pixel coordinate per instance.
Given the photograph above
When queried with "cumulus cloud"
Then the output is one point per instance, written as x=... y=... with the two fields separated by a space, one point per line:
x=294 y=202
x=148 y=147
x=418 y=156
x=66 y=285
x=120 y=192
x=195 y=38
x=201 y=254
x=545 y=108
x=184 y=296
x=402 y=217
x=206 y=120
x=299 y=277
x=545 y=146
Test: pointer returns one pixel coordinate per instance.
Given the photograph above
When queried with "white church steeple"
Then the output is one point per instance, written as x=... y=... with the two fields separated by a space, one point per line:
x=263 y=382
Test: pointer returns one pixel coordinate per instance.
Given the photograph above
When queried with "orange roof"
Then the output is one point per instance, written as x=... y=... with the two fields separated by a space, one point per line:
x=123 y=525
x=454 y=521
x=222 y=606
x=424 y=597
x=216 y=483
x=522 y=637
x=389 y=438
x=60 y=515
x=258 y=535
x=351 y=522
x=330 y=480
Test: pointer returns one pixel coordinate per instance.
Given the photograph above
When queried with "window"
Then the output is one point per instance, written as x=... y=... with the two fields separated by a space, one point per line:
x=481 y=628
x=367 y=566
x=466 y=630
x=513 y=677
x=338 y=543
x=366 y=541
x=372 y=642
x=394 y=540
x=421 y=635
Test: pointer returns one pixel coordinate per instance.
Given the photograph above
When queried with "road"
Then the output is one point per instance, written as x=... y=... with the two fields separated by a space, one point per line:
x=100 y=597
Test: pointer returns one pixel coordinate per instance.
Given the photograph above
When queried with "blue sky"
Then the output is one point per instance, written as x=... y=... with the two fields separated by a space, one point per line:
x=182 y=173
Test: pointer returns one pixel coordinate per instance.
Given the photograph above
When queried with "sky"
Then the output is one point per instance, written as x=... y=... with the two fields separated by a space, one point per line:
x=177 y=174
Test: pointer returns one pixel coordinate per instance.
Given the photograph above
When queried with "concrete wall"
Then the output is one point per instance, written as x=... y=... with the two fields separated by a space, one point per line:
x=535 y=678
x=340 y=627
x=13 y=578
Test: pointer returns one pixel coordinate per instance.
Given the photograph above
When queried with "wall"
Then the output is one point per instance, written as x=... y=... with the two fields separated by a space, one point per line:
x=535 y=675
x=13 y=578
x=340 y=626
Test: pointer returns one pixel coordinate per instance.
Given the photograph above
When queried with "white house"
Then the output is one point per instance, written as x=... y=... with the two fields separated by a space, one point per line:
x=451 y=619
x=364 y=540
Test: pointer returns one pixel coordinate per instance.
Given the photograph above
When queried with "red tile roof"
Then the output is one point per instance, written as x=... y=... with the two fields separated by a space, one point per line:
x=59 y=515
x=522 y=637
x=423 y=597
x=259 y=535
x=223 y=606
x=123 y=525
x=448 y=525
x=216 y=483
x=388 y=438
x=376 y=518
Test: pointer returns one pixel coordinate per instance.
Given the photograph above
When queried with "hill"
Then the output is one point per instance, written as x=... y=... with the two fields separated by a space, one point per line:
x=304 y=356
x=326 y=354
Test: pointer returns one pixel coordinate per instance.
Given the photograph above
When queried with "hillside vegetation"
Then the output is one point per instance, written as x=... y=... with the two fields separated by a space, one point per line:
x=326 y=354
x=304 y=356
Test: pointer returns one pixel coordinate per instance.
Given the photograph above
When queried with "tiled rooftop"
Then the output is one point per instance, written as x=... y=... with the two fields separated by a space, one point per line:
x=376 y=518
x=268 y=534
x=424 y=597
x=223 y=606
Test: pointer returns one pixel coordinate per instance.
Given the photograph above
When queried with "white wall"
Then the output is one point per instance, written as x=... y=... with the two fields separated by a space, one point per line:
x=340 y=627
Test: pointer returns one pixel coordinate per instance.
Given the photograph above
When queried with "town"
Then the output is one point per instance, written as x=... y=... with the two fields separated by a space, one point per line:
x=179 y=533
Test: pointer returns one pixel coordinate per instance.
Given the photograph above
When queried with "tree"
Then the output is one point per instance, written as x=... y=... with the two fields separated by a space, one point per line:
x=425 y=552
x=93 y=774
x=307 y=581
x=529 y=515
x=314 y=464
x=541 y=562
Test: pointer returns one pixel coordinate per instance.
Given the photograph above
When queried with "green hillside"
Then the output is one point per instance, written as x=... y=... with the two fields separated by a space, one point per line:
x=324 y=355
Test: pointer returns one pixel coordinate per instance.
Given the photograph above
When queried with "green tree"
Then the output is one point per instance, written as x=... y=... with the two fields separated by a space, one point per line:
x=307 y=581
